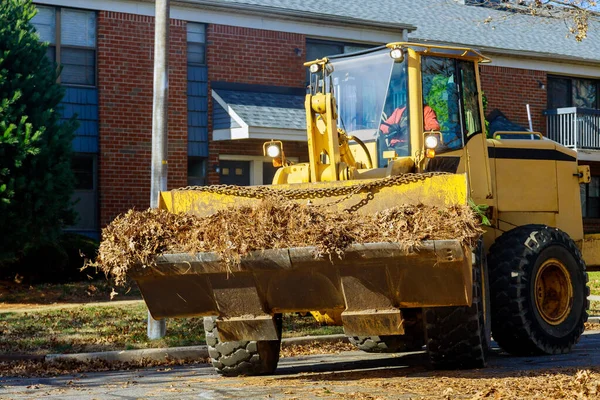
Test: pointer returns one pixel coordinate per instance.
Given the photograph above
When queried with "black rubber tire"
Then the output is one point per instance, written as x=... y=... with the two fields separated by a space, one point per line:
x=413 y=340
x=514 y=260
x=459 y=337
x=386 y=344
x=241 y=358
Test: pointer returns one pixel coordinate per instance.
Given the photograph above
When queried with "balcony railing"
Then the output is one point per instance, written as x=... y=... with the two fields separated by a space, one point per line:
x=577 y=128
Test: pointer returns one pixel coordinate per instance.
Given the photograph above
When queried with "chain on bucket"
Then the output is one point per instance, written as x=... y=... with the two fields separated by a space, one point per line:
x=270 y=192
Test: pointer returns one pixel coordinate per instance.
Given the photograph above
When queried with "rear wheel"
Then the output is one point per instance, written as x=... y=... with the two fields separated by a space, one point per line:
x=244 y=357
x=386 y=344
x=459 y=337
x=539 y=291
x=411 y=341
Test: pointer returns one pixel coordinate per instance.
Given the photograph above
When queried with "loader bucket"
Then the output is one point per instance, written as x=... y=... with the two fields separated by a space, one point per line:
x=370 y=285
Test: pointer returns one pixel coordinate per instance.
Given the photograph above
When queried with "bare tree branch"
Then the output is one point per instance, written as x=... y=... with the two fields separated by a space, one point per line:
x=577 y=14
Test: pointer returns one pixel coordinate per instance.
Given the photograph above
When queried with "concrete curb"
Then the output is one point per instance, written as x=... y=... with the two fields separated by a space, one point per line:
x=175 y=353
x=594 y=320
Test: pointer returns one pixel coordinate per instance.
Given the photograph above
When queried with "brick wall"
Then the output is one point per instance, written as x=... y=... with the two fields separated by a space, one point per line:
x=252 y=56
x=125 y=80
x=510 y=89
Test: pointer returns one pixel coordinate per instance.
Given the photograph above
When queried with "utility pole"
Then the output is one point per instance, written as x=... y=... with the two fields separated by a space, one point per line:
x=158 y=329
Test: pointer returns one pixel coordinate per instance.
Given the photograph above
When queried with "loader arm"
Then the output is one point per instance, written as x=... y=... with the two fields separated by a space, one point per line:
x=323 y=143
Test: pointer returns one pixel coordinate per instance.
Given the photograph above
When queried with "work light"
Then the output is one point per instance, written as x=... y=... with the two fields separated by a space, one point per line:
x=273 y=150
x=397 y=54
x=431 y=141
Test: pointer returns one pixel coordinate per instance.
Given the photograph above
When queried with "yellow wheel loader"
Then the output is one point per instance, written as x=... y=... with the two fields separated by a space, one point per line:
x=399 y=124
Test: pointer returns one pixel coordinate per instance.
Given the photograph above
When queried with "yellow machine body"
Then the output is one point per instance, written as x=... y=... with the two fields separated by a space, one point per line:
x=521 y=182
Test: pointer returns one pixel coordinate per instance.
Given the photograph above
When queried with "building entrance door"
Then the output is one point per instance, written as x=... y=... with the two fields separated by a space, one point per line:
x=235 y=172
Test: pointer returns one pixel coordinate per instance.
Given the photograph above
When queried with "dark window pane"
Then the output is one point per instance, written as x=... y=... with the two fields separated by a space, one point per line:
x=268 y=173
x=197 y=171
x=593 y=208
x=584 y=93
x=51 y=54
x=78 y=28
x=79 y=66
x=316 y=50
x=83 y=168
x=45 y=23
x=351 y=48
x=196 y=53
x=559 y=92
x=196 y=33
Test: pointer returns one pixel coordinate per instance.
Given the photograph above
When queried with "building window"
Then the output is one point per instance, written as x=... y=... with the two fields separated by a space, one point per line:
x=83 y=166
x=197 y=171
x=322 y=48
x=71 y=37
x=85 y=197
x=573 y=92
x=196 y=43
x=72 y=45
x=590 y=198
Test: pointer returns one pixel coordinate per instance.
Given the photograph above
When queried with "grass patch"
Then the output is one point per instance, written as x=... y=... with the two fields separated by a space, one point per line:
x=295 y=326
x=89 y=329
x=594 y=282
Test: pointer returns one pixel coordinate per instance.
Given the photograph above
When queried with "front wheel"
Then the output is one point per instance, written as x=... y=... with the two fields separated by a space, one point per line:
x=244 y=357
x=539 y=291
x=412 y=340
x=459 y=337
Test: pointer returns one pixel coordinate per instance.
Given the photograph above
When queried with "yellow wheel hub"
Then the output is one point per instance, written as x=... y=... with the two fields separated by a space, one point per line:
x=553 y=291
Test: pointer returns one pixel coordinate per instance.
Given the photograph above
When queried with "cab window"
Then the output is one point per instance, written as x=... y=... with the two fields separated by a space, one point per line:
x=441 y=94
x=470 y=98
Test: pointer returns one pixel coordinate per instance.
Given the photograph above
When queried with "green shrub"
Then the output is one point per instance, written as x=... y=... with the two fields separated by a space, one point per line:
x=56 y=262
x=36 y=180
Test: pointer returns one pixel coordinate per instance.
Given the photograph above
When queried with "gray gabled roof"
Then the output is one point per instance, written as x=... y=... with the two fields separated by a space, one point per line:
x=448 y=21
x=267 y=110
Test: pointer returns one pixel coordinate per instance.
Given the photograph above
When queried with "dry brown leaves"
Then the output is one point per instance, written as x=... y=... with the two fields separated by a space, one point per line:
x=136 y=238
x=315 y=348
x=418 y=383
x=62 y=367
x=592 y=326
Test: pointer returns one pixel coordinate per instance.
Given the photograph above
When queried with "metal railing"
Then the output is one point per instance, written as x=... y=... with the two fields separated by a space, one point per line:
x=577 y=128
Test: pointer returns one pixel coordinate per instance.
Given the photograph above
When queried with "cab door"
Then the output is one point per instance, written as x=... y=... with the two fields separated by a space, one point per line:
x=477 y=158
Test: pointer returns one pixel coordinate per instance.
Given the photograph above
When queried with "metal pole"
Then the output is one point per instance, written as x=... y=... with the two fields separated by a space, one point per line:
x=157 y=329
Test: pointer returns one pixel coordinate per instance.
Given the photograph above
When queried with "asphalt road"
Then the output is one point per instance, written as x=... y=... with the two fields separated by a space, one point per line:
x=307 y=377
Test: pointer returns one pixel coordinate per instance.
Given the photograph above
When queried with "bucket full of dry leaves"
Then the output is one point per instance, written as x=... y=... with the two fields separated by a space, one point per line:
x=247 y=262
x=137 y=239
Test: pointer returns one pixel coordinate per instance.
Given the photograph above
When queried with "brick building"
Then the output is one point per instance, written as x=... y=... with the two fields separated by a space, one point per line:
x=236 y=79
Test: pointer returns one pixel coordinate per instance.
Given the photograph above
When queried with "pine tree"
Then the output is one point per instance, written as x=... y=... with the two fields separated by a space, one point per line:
x=36 y=180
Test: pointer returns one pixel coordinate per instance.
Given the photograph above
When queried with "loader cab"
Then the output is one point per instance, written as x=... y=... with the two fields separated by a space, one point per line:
x=393 y=100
